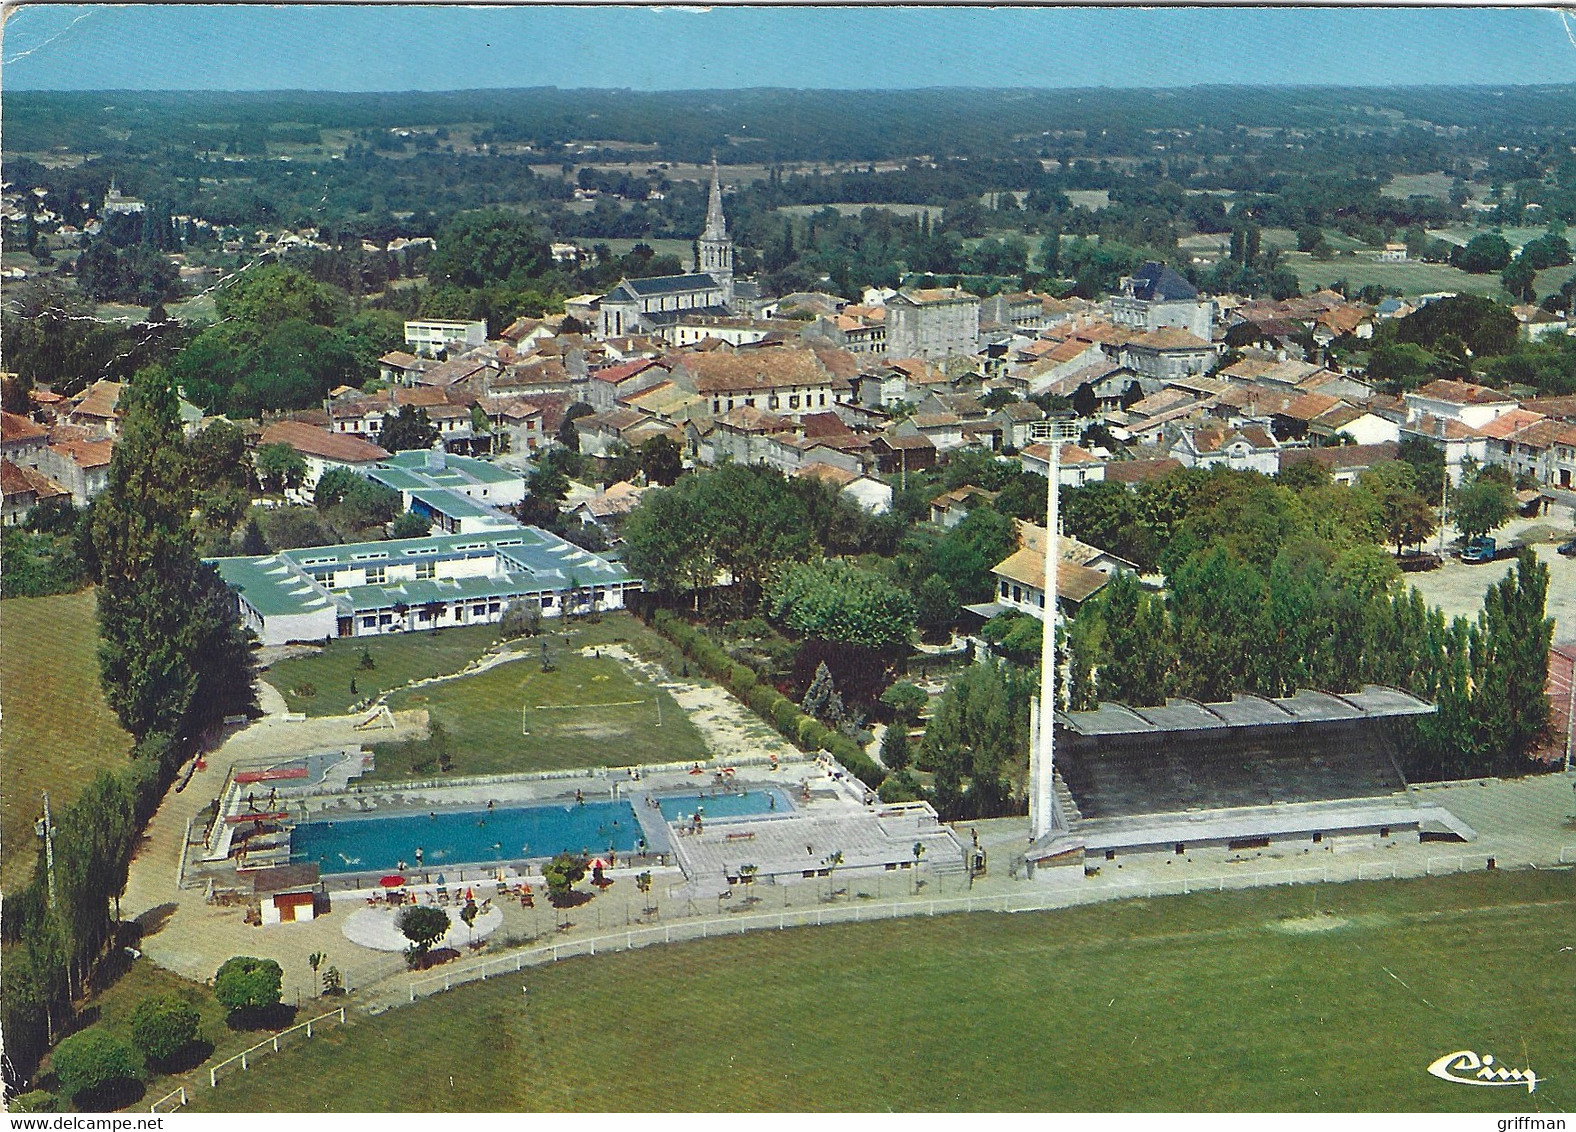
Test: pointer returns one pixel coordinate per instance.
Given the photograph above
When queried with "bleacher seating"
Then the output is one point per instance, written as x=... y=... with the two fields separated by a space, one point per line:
x=1171 y=772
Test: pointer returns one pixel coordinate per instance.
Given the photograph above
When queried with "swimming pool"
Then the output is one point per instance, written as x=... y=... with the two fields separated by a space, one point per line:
x=746 y=803
x=455 y=837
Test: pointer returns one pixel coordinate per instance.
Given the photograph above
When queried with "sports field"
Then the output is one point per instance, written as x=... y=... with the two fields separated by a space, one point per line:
x=58 y=731
x=1322 y=999
x=587 y=712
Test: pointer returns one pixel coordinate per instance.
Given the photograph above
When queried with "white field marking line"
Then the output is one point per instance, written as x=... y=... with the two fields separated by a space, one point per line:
x=576 y=707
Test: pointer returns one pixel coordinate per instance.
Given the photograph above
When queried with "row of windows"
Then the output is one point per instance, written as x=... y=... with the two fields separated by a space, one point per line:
x=1021 y=594
x=794 y=400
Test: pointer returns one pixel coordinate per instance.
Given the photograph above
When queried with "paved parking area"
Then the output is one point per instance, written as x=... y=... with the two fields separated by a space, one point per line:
x=1458 y=588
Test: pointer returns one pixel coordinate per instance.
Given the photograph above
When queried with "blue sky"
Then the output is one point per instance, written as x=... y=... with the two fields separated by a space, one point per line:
x=384 y=47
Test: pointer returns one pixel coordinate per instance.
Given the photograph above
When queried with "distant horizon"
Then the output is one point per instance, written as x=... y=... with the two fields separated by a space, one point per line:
x=389 y=49
x=1281 y=87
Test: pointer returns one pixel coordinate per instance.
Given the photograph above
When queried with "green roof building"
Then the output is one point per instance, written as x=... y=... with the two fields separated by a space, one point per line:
x=436 y=581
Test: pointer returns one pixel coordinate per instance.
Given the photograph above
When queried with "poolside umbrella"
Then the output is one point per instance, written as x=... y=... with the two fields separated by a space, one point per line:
x=393 y=880
x=599 y=863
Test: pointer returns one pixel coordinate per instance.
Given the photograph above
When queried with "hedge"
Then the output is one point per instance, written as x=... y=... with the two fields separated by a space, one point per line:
x=803 y=731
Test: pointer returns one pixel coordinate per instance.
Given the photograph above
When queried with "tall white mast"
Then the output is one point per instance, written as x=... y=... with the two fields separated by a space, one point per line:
x=1043 y=814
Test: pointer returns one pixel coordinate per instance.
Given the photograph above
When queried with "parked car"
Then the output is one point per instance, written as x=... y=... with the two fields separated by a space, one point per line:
x=1568 y=549
x=1414 y=561
x=1480 y=549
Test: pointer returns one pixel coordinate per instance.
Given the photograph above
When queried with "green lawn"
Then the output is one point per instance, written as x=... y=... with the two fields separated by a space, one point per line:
x=1408 y=278
x=396 y=658
x=58 y=731
x=1551 y=279
x=1213 y=1002
x=588 y=711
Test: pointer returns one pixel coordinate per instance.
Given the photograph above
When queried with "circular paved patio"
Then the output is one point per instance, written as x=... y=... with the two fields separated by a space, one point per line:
x=376 y=928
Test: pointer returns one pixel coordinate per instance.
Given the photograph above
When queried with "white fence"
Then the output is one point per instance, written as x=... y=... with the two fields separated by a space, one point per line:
x=178 y=1095
x=271 y=1043
x=1031 y=900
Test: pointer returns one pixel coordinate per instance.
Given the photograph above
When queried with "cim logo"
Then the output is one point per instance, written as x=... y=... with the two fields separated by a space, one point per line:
x=1465 y=1067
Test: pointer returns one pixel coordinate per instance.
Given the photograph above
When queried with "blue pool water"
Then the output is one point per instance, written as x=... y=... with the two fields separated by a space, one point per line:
x=451 y=838
x=761 y=800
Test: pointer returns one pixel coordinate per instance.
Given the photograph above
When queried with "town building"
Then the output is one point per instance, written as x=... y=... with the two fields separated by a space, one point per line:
x=1155 y=297
x=323 y=450
x=1249 y=447
x=1081 y=572
x=646 y=306
x=786 y=380
x=436 y=337
x=935 y=322
x=403 y=585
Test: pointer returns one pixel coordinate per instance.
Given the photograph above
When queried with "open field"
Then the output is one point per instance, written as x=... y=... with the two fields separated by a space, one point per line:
x=198 y=308
x=119 y=312
x=681 y=248
x=589 y=711
x=1329 y=998
x=58 y=731
x=1404 y=185
x=1092 y=199
x=848 y=208
x=1551 y=279
x=1408 y=278
x=1462 y=236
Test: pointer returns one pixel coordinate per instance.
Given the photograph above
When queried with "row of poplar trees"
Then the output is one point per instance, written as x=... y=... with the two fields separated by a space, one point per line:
x=1226 y=628
x=174 y=661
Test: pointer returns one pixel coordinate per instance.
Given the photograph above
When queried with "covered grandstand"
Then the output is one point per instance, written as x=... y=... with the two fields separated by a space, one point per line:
x=1248 y=773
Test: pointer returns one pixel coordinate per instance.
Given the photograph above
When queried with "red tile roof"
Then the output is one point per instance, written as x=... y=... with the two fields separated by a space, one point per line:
x=310 y=440
x=1463 y=393
x=14 y=427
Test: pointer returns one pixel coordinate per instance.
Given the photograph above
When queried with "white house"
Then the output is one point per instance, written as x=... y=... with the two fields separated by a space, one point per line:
x=1075 y=467
x=323 y=450
x=1472 y=405
x=872 y=496
x=1248 y=447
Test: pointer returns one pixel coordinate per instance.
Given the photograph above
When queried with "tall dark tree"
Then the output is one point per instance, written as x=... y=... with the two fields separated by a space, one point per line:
x=174 y=657
x=410 y=429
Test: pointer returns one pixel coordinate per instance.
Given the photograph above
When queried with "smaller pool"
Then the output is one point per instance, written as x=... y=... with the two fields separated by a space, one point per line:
x=738 y=804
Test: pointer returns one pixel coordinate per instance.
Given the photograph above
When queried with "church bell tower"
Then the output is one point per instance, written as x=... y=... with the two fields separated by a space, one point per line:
x=716 y=249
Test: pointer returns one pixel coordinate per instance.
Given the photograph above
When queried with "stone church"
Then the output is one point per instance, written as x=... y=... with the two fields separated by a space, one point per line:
x=645 y=306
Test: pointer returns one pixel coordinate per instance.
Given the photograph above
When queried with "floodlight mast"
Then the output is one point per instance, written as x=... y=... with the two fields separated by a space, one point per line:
x=1044 y=817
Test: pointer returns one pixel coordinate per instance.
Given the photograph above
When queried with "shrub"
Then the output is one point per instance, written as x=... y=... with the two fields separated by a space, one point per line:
x=162 y=1025
x=36 y=1100
x=248 y=983
x=906 y=700
x=93 y=1059
x=786 y=717
x=424 y=925
x=762 y=699
x=852 y=756
x=740 y=679
x=900 y=787
x=811 y=735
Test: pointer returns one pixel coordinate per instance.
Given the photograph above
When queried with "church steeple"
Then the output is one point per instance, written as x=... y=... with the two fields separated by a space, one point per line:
x=716 y=249
x=716 y=223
